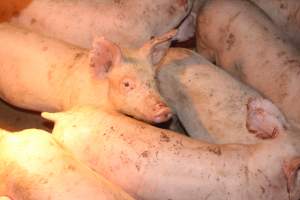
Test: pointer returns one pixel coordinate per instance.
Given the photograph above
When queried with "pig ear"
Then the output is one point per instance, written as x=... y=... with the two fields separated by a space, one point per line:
x=153 y=50
x=104 y=56
x=264 y=119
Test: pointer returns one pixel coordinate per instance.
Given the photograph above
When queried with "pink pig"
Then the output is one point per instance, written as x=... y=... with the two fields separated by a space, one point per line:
x=43 y=74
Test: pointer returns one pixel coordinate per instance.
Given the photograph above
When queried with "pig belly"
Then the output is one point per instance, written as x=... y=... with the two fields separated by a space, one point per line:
x=205 y=96
x=127 y=23
x=261 y=57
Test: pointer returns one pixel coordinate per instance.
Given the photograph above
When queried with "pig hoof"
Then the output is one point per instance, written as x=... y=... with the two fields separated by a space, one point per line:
x=264 y=119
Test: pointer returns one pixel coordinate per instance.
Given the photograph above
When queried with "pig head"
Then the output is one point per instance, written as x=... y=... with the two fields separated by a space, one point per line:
x=131 y=76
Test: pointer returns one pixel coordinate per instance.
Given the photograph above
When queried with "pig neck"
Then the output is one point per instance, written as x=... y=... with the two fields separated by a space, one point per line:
x=84 y=89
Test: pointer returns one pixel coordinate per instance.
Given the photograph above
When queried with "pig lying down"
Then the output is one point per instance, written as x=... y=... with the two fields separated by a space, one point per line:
x=203 y=95
x=127 y=23
x=43 y=74
x=285 y=14
x=151 y=163
x=34 y=166
x=245 y=42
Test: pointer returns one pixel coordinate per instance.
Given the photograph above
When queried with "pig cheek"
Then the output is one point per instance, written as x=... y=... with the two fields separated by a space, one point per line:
x=120 y=95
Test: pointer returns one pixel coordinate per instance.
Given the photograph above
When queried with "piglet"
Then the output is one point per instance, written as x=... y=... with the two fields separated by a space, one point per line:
x=43 y=74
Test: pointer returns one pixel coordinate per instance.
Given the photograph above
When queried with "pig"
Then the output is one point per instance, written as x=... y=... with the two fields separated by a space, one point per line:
x=261 y=56
x=35 y=166
x=126 y=23
x=285 y=14
x=152 y=163
x=43 y=74
x=203 y=95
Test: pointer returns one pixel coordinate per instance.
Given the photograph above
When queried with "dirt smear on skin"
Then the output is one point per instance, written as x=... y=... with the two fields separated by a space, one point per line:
x=10 y=8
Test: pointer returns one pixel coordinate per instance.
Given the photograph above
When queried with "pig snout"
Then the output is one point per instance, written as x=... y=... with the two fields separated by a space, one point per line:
x=162 y=112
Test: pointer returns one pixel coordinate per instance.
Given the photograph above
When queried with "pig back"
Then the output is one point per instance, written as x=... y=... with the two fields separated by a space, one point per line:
x=204 y=95
x=127 y=23
x=34 y=69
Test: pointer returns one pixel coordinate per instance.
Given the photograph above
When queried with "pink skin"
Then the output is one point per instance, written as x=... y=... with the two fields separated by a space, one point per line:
x=264 y=119
x=132 y=87
x=245 y=41
x=35 y=166
x=108 y=76
x=153 y=164
x=126 y=23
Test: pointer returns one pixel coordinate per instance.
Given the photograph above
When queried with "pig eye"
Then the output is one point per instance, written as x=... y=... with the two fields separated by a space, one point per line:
x=128 y=84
